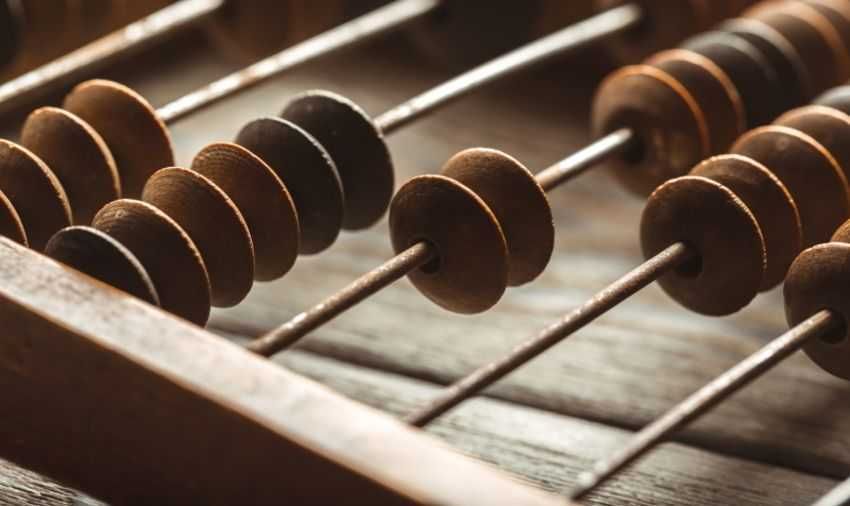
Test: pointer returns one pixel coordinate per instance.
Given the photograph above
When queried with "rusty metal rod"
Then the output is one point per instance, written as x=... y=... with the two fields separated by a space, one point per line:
x=582 y=160
x=706 y=398
x=603 y=301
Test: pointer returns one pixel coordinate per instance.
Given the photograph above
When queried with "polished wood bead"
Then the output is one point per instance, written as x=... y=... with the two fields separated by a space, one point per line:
x=10 y=222
x=829 y=127
x=837 y=98
x=470 y=271
x=728 y=268
x=517 y=201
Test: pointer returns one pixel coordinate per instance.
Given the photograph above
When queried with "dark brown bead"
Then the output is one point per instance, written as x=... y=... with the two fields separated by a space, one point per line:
x=830 y=127
x=837 y=98
x=10 y=222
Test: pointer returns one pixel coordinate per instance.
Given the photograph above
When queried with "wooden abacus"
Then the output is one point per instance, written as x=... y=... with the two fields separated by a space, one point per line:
x=150 y=408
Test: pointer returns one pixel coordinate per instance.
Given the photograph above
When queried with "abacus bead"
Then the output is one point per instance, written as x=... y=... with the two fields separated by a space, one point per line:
x=837 y=98
x=663 y=115
x=705 y=215
x=810 y=173
x=470 y=273
x=357 y=148
x=166 y=252
x=712 y=89
x=829 y=127
x=838 y=14
x=35 y=193
x=842 y=234
x=769 y=201
x=10 y=223
x=95 y=253
x=215 y=225
x=517 y=201
x=308 y=173
x=77 y=155
x=135 y=135
x=262 y=199
x=818 y=280
x=748 y=68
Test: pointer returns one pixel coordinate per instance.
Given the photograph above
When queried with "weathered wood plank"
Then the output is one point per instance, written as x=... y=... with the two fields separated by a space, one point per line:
x=19 y=486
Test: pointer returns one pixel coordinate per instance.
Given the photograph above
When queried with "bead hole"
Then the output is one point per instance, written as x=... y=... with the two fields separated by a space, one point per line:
x=635 y=152
x=691 y=267
x=837 y=335
x=433 y=265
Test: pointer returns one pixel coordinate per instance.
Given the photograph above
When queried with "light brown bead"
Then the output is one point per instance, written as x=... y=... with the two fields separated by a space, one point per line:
x=77 y=155
x=98 y=255
x=262 y=199
x=665 y=118
x=10 y=223
x=215 y=225
x=818 y=280
x=830 y=127
x=519 y=203
x=470 y=273
x=166 y=252
x=771 y=204
x=727 y=271
x=35 y=193
x=712 y=89
x=137 y=138
x=357 y=149
x=810 y=173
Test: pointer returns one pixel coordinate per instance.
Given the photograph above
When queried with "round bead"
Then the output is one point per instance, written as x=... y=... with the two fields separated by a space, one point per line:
x=10 y=223
x=818 y=280
x=470 y=273
x=93 y=252
x=728 y=271
x=35 y=193
x=665 y=117
x=749 y=70
x=357 y=149
x=166 y=252
x=262 y=199
x=519 y=203
x=810 y=173
x=135 y=135
x=308 y=173
x=837 y=98
x=838 y=14
x=829 y=127
x=771 y=204
x=11 y=24
x=89 y=177
x=842 y=234
x=782 y=56
x=215 y=225
x=713 y=91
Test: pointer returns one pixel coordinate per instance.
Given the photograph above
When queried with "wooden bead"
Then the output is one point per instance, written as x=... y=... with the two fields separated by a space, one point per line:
x=34 y=192
x=818 y=280
x=842 y=234
x=837 y=98
x=77 y=155
x=665 y=117
x=357 y=149
x=215 y=225
x=748 y=68
x=517 y=201
x=829 y=127
x=262 y=199
x=665 y=25
x=713 y=91
x=137 y=138
x=838 y=14
x=98 y=255
x=782 y=56
x=705 y=215
x=810 y=173
x=11 y=26
x=10 y=223
x=166 y=252
x=308 y=173
x=470 y=273
x=769 y=202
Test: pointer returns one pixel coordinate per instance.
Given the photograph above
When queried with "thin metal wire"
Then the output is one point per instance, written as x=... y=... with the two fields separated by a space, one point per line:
x=582 y=160
x=103 y=51
x=608 y=298
x=839 y=496
x=377 y=22
x=706 y=398
x=392 y=270
x=573 y=37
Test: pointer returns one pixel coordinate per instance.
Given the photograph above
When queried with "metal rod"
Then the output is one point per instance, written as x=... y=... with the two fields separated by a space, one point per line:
x=839 y=496
x=706 y=398
x=573 y=37
x=392 y=270
x=608 y=298
x=377 y=22
x=103 y=51
x=582 y=160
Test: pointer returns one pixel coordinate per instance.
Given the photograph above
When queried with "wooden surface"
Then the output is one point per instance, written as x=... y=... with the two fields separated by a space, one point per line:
x=784 y=440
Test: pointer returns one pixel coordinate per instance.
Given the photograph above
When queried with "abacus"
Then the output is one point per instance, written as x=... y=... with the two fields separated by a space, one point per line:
x=726 y=123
